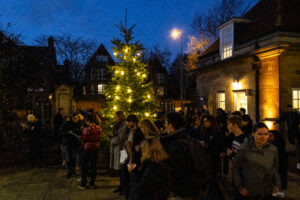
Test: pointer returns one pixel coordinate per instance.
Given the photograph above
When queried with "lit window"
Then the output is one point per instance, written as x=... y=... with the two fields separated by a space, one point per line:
x=221 y=100
x=160 y=91
x=296 y=99
x=93 y=74
x=160 y=78
x=226 y=41
x=102 y=58
x=240 y=100
x=84 y=90
x=101 y=74
x=101 y=88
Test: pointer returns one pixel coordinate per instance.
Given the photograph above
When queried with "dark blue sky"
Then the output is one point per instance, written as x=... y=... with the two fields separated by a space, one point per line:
x=96 y=19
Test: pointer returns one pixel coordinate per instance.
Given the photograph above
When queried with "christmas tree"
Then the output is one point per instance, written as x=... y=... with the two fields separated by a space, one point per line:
x=130 y=89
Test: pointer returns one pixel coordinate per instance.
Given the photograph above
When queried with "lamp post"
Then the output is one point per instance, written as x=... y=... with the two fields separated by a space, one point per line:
x=176 y=34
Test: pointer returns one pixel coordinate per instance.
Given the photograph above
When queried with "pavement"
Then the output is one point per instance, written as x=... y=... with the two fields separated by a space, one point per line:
x=50 y=183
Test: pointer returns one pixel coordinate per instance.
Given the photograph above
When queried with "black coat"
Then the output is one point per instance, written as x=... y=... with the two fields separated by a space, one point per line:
x=181 y=165
x=138 y=137
x=151 y=183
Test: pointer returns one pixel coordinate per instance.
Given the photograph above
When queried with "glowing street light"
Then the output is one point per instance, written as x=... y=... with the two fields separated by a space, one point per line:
x=175 y=34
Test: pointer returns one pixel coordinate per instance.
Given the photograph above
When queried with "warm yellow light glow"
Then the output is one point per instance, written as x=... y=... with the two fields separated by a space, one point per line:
x=149 y=96
x=144 y=75
x=115 y=53
x=118 y=87
x=129 y=90
x=129 y=100
x=175 y=33
x=115 y=107
x=236 y=85
x=117 y=72
x=124 y=57
x=109 y=96
x=269 y=124
x=138 y=73
x=117 y=97
x=135 y=70
x=146 y=114
x=122 y=72
x=50 y=96
x=134 y=59
x=126 y=50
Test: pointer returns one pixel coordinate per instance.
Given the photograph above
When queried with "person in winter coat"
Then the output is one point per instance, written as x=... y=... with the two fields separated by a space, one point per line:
x=32 y=132
x=117 y=142
x=255 y=168
x=58 y=121
x=277 y=140
x=153 y=180
x=91 y=144
x=181 y=161
x=212 y=140
x=247 y=125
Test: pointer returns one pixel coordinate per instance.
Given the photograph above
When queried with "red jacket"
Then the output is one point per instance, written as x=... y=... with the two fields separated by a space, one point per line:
x=91 y=138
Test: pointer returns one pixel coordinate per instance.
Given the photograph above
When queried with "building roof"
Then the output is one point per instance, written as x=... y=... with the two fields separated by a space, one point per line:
x=101 y=51
x=266 y=17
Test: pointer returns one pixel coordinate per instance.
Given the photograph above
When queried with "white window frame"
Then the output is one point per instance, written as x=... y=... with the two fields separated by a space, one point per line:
x=160 y=78
x=237 y=106
x=296 y=98
x=221 y=102
x=101 y=74
x=101 y=88
x=102 y=58
x=226 y=41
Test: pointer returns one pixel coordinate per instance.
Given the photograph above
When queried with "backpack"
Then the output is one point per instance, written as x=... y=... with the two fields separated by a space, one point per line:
x=201 y=169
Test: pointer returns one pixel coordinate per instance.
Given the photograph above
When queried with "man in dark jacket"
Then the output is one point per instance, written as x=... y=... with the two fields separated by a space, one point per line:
x=180 y=159
x=133 y=142
x=58 y=121
x=291 y=118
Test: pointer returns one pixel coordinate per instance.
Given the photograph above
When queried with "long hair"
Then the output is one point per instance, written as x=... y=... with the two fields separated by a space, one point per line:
x=149 y=128
x=153 y=150
x=214 y=125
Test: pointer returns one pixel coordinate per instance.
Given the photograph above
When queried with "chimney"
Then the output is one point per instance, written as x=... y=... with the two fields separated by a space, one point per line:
x=51 y=42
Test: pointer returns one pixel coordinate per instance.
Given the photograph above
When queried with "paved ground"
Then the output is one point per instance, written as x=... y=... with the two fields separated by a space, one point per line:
x=51 y=184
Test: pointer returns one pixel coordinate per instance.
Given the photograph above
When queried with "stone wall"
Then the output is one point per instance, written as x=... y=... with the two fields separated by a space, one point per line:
x=220 y=78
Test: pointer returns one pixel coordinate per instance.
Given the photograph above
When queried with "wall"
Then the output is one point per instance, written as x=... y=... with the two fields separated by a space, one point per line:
x=220 y=78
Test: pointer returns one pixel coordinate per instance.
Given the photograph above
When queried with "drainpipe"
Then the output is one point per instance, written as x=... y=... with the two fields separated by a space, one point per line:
x=256 y=65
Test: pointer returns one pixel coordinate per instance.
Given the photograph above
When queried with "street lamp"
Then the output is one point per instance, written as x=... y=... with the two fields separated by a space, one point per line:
x=175 y=34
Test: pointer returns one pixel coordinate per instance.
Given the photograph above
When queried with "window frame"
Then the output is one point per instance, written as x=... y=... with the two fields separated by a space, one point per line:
x=160 y=78
x=103 y=88
x=220 y=101
x=298 y=98
x=101 y=74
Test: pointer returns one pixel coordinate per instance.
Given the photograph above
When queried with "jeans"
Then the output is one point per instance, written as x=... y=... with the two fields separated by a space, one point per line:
x=71 y=160
x=89 y=163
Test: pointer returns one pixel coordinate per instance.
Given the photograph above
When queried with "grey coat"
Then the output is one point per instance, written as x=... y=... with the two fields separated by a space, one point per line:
x=117 y=143
x=256 y=169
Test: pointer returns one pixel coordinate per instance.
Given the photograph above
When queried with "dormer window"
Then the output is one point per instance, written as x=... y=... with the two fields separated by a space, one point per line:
x=101 y=58
x=226 y=41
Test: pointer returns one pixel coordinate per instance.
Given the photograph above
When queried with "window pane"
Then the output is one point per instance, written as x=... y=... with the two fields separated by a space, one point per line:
x=295 y=94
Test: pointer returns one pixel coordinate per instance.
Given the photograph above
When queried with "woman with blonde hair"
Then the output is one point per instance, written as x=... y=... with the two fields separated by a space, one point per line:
x=148 y=128
x=153 y=180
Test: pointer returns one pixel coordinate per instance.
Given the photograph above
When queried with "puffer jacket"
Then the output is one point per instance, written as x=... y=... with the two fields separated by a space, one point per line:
x=256 y=169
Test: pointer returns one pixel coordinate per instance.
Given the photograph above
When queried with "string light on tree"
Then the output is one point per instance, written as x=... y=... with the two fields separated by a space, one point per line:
x=132 y=92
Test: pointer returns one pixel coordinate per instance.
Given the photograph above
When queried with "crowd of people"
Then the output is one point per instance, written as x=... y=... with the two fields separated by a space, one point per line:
x=189 y=156
x=180 y=156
